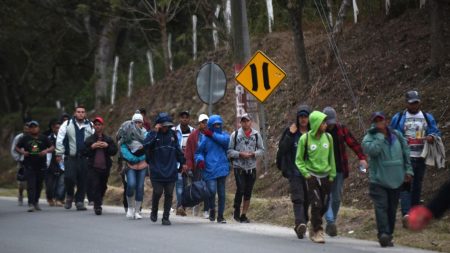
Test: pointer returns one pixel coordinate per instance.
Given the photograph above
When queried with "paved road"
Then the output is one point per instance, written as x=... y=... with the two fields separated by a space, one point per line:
x=58 y=230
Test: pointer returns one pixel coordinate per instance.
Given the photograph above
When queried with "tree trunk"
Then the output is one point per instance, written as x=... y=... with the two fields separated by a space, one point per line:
x=345 y=5
x=437 y=16
x=165 y=44
x=295 y=8
x=103 y=59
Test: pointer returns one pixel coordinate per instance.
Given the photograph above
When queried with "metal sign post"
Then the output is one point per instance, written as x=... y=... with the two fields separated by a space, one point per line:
x=211 y=84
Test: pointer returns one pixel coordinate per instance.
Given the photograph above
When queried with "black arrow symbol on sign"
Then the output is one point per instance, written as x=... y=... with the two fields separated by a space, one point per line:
x=265 y=69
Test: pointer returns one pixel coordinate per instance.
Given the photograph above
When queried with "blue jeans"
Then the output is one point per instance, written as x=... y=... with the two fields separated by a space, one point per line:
x=179 y=189
x=135 y=182
x=60 y=189
x=409 y=198
x=217 y=186
x=335 y=198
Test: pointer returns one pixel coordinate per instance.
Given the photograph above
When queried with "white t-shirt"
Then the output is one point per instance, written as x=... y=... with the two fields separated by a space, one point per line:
x=415 y=127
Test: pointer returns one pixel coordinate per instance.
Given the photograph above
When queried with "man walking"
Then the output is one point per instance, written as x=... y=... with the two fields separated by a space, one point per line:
x=70 y=143
x=99 y=149
x=245 y=147
x=341 y=136
x=183 y=130
x=418 y=127
x=18 y=157
x=54 y=181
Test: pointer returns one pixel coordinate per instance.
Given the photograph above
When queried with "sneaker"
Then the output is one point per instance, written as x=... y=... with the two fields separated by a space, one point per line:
x=212 y=215
x=137 y=215
x=31 y=208
x=405 y=221
x=98 y=210
x=181 y=211
x=300 y=230
x=318 y=237
x=311 y=232
x=37 y=207
x=80 y=206
x=195 y=210
x=206 y=214
x=154 y=216
x=20 y=200
x=244 y=219
x=331 y=229
x=166 y=222
x=221 y=220
x=51 y=202
x=236 y=215
x=130 y=213
x=384 y=240
x=68 y=203
x=59 y=203
x=90 y=203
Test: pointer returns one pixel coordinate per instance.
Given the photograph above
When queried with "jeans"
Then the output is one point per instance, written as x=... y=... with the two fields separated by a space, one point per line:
x=98 y=180
x=335 y=198
x=299 y=198
x=385 y=201
x=54 y=185
x=244 y=185
x=75 y=174
x=179 y=188
x=217 y=186
x=35 y=181
x=412 y=198
x=158 y=189
x=135 y=182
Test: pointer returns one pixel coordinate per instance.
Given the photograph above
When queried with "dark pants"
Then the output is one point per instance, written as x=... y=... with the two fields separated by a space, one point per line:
x=54 y=185
x=319 y=197
x=75 y=174
x=299 y=198
x=411 y=197
x=158 y=189
x=245 y=180
x=385 y=201
x=97 y=181
x=124 y=195
x=35 y=181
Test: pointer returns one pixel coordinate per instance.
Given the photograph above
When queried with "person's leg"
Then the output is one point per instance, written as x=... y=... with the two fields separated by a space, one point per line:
x=297 y=198
x=334 y=204
x=249 y=182
x=379 y=196
x=124 y=194
x=393 y=195
x=81 y=182
x=168 y=197
x=69 y=180
x=94 y=186
x=221 y=194
x=140 y=181
x=104 y=176
x=50 y=181
x=156 y=195
x=212 y=187
x=40 y=177
x=179 y=189
x=131 y=187
x=60 y=190
x=30 y=173
x=238 y=176
x=419 y=168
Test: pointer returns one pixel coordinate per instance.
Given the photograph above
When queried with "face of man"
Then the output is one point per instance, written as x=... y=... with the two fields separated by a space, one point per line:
x=202 y=125
x=246 y=124
x=380 y=123
x=164 y=129
x=33 y=130
x=98 y=127
x=217 y=125
x=80 y=114
x=323 y=127
x=303 y=120
x=413 y=108
x=184 y=120
x=55 y=128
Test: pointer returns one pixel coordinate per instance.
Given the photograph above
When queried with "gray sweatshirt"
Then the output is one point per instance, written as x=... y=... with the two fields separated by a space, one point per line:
x=254 y=143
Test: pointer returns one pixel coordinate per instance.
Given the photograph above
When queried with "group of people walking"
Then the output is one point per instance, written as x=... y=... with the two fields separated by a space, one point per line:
x=311 y=155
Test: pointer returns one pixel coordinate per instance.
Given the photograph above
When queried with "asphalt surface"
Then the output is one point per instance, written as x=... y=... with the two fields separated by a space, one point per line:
x=55 y=229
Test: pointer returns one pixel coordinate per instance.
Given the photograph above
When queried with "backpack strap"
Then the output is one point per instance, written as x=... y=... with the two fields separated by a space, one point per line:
x=400 y=116
x=305 y=154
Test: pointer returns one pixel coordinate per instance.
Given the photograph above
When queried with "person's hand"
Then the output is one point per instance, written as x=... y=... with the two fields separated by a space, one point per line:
x=419 y=217
x=43 y=153
x=408 y=178
x=430 y=139
x=103 y=144
x=26 y=153
x=293 y=128
x=201 y=165
x=184 y=169
x=94 y=145
x=158 y=126
x=208 y=132
x=244 y=155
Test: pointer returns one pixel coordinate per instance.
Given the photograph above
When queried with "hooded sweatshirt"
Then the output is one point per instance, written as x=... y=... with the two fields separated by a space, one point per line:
x=320 y=154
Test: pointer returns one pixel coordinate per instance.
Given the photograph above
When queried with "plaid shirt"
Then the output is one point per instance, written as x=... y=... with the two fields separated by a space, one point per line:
x=344 y=136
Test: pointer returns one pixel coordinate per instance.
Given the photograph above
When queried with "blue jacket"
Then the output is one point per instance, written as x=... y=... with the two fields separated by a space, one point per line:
x=163 y=155
x=213 y=151
x=128 y=156
x=399 y=126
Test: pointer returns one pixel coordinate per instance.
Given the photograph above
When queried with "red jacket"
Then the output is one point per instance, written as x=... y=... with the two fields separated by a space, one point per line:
x=191 y=147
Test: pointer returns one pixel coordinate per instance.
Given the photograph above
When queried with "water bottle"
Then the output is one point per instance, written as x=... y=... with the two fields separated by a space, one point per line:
x=61 y=165
x=362 y=168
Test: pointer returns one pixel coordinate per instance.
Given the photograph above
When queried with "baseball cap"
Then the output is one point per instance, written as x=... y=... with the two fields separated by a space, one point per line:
x=303 y=110
x=203 y=117
x=331 y=115
x=99 y=119
x=184 y=113
x=246 y=116
x=32 y=123
x=377 y=115
x=412 y=96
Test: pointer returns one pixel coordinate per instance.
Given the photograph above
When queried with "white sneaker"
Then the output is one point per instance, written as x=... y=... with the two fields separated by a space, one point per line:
x=195 y=210
x=206 y=214
x=137 y=216
x=130 y=213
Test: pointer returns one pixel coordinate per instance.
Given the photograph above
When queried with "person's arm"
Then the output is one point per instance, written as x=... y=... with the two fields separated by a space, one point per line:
x=128 y=156
x=60 y=149
x=259 y=146
x=112 y=147
x=432 y=128
x=231 y=152
x=89 y=148
x=373 y=144
x=352 y=143
x=190 y=150
x=222 y=139
x=299 y=158
x=14 y=153
x=199 y=153
x=331 y=159
x=286 y=142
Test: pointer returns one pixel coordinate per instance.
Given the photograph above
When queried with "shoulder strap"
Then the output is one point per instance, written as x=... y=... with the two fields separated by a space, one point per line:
x=305 y=154
x=256 y=144
x=235 y=138
x=425 y=115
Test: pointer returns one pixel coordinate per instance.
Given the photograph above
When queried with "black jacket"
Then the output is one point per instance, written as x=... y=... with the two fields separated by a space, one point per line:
x=288 y=150
x=111 y=150
x=441 y=202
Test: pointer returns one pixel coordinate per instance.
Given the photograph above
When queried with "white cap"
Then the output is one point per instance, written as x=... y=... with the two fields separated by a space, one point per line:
x=137 y=117
x=202 y=117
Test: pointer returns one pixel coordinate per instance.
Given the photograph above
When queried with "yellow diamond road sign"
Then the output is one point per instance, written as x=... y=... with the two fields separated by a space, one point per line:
x=260 y=76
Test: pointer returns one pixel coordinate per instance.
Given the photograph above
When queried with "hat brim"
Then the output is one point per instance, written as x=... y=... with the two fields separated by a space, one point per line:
x=331 y=121
x=247 y=118
x=167 y=124
x=413 y=100
x=303 y=113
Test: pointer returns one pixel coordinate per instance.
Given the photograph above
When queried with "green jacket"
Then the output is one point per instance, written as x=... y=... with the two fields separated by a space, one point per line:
x=320 y=154
x=388 y=163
